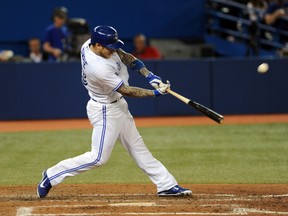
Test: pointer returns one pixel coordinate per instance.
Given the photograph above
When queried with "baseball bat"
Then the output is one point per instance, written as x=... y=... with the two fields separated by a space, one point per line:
x=204 y=110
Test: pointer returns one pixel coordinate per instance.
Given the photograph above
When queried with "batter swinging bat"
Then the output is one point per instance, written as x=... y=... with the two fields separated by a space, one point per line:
x=204 y=110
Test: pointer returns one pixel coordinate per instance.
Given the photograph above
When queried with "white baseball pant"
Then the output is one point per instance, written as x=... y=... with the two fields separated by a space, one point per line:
x=111 y=122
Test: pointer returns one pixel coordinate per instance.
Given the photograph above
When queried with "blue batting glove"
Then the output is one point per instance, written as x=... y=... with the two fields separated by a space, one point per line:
x=154 y=80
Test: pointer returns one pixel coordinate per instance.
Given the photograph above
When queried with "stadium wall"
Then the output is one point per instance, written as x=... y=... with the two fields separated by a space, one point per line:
x=54 y=90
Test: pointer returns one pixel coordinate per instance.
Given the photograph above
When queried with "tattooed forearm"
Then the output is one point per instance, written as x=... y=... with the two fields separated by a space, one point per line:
x=132 y=91
x=144 y=71
x=128 y=58
x=125 y=57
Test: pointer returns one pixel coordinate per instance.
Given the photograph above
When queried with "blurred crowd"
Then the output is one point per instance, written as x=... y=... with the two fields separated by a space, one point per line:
x=64 y=38
x=275 y=14
x=52 y=47
x=270 y=13
x=270 y=10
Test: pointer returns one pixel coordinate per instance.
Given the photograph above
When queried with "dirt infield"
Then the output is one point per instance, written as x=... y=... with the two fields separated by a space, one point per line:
x=132 y=199
x=35 y=125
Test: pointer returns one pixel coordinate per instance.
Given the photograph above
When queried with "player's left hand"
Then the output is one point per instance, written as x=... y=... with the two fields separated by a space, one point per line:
x=163 y=89
x=154 y=80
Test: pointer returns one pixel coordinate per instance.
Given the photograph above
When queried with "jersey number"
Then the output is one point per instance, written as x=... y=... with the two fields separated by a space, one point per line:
x=84 y=78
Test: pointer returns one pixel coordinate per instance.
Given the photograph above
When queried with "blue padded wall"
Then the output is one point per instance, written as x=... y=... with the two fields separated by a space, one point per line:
x=239 y=89
x=37 y=91
x=189 y=78
x=230 y=86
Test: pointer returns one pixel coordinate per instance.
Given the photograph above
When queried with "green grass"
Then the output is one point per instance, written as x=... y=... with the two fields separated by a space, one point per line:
x=195 y=154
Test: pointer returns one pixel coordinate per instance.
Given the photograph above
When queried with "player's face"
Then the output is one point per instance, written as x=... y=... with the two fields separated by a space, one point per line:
x=105 y=52
x=34 y=45
x=59 y=21
x=140 y=44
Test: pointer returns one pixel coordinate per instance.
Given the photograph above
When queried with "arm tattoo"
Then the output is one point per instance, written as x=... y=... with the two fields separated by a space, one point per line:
x=144 y=71
x=128 y=58
x=125 y=57
x=135 y=91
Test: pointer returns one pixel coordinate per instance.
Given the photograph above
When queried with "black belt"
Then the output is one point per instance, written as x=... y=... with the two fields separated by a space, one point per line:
x=112 y=101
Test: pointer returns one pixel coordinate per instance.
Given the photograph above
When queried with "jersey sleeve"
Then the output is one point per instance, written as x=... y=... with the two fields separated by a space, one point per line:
x=47 y=36
x=108 y=79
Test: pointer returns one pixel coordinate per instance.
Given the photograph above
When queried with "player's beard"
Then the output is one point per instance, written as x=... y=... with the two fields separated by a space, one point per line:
x=106 y=53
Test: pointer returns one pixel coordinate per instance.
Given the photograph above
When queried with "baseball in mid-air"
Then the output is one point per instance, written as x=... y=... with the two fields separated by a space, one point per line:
x=263 y=68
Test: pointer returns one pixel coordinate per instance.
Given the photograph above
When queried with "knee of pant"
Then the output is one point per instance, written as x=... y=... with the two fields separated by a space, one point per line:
x=102 y=161
x=99 y=160
x=147 y=165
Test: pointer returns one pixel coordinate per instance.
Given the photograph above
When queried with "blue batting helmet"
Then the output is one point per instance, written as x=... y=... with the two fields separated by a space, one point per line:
x=106 y=36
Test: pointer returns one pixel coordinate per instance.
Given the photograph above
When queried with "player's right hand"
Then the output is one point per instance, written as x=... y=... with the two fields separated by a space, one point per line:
x=163 y=89
x=57 y=53
x=280 y=12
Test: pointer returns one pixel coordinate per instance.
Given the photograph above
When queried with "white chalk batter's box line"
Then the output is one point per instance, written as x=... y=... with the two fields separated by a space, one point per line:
x=28 y=211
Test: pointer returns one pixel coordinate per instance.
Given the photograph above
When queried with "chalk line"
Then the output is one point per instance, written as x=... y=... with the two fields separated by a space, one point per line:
x=24 y=211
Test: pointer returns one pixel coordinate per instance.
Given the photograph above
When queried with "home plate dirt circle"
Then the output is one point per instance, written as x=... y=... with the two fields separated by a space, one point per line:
x=134 y=199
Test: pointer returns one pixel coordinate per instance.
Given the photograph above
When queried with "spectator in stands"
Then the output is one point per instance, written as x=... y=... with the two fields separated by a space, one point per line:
x=228 y=24
x=35 y=50
x=143 y=50
x=254 y=32
x=275 y=11
x=261 y=5
x=273 y=14
x=256 y=10
x=55 y=41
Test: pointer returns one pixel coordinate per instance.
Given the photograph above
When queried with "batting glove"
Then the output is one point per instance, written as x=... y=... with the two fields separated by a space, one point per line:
x=154 y=80
x=163 y=89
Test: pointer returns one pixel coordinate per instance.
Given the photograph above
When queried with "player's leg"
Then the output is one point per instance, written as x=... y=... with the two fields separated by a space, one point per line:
x=73 y=166
x=133 y=143
x=106 y=128
x=100 y=152
x=159 y=175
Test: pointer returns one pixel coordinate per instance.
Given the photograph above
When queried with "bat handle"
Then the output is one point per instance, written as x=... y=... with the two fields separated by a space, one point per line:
x=180 y=97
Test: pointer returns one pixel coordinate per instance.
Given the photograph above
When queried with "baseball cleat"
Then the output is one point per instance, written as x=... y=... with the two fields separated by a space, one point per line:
x=175 y=191
x=44 y=186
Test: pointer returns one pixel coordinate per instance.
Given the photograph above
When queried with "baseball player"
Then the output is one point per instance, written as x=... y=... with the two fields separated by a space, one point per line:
x=105 y=76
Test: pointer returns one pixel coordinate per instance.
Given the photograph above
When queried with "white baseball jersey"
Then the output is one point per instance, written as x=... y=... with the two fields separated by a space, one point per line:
x=110 y=121
x=102 y=77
